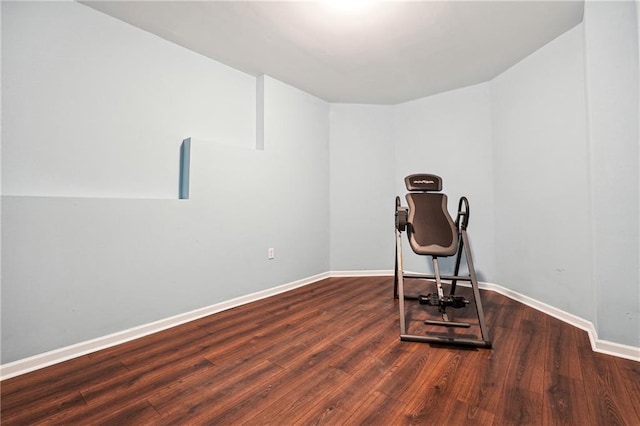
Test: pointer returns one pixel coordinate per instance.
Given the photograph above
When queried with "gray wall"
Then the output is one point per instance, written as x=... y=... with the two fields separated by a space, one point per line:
x=95 y=107
x=543 y=242
x=611 y=38
x=362 y=187
x=99 y=257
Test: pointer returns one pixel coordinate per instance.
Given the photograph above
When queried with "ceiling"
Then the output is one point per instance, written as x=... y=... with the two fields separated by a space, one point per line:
x=385 y=52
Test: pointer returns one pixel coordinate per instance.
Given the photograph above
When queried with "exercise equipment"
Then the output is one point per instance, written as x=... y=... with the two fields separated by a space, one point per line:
x=432 y=232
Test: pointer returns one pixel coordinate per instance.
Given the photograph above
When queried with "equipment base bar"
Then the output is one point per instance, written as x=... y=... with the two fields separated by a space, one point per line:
x=445 y=341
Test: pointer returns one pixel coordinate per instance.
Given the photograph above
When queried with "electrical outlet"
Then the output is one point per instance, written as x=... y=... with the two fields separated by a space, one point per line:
x=271 y=253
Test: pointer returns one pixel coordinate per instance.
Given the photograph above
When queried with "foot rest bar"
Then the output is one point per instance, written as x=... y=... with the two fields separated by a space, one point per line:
x=448 y=323
x=446 y=341
x=433 y=277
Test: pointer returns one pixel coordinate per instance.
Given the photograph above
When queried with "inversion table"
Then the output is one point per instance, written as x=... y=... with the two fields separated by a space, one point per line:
x=432 y=232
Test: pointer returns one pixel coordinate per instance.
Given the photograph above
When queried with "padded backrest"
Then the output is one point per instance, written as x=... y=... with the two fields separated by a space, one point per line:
x=431 y=230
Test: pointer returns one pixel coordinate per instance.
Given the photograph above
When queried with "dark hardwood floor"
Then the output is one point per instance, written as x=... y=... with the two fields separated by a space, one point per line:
x=329 y=353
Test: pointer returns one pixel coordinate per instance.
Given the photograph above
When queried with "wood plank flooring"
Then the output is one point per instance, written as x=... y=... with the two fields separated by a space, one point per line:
x=329 y=353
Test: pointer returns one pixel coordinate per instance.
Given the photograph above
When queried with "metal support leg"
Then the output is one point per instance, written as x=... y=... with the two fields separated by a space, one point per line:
x=400 y=283
x=456 y=270
x=476 y=291
x=395 y=273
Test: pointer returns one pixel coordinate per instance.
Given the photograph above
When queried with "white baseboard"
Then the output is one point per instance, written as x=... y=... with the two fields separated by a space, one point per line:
x=56 y=356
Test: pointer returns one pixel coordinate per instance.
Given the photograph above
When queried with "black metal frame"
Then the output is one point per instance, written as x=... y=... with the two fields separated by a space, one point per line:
x=462 y=221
